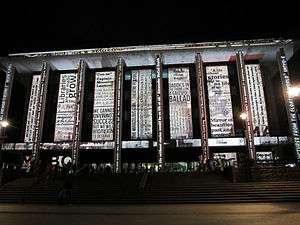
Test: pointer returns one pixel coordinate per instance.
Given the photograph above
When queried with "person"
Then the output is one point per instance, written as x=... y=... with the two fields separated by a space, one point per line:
x=68 y=189
x=222 y=163
x=200 y=163
x=108 y=170
x=54 y=171
x=69 y=168
x=211 y=164
x=49 y=172
x=91 y=170
x=61 y=196
x=94 y=165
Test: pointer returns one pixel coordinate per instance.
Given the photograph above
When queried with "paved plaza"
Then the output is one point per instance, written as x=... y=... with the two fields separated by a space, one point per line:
x=183 y=214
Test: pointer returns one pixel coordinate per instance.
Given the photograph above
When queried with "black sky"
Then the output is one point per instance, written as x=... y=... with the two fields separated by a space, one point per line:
x=57 y=26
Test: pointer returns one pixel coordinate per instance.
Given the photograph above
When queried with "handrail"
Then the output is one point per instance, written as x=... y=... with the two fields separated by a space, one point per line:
x=80 y=169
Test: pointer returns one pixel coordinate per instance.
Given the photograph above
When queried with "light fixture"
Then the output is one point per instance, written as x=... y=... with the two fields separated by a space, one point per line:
x=243 y=116
x=293 y=91
x=4 y=123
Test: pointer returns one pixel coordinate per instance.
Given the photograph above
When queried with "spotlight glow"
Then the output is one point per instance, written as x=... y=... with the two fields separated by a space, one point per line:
x=294 y=91
x=4 y=123
x=243 y=116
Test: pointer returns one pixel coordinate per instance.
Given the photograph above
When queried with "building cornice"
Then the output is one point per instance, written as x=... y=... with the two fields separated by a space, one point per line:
x=203 y=45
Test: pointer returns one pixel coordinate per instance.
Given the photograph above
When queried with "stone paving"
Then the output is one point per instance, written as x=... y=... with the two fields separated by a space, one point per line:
x=183 y=214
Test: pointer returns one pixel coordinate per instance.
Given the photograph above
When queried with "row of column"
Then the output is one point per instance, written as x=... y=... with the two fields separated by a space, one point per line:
x=202 y=104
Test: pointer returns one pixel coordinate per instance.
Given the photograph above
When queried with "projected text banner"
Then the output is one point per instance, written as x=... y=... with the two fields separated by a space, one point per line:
x=66 y=103
x=257 y=99
x=180 y=103
x=32 y=108
x=141 y=104
x=219 y=98
x=103 y=113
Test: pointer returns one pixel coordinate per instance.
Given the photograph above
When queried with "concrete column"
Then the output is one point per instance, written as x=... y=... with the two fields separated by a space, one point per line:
x=6 y=95
x=118 y=111
x=289 y=101
x=160 y=114
x=5 y=106
x=41 y=104
x=202 y=104
x=246 y=106
x=78 y=112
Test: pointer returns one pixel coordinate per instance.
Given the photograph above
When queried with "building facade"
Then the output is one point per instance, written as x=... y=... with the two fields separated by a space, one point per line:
x=161 y=105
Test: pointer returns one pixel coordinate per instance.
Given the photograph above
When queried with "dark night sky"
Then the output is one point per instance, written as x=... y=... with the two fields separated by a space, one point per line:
x=74 y=26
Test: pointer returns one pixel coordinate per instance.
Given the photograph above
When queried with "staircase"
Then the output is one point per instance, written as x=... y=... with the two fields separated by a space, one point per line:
x=158 y=188
x=106 y=189
x=100 y=189
x=15 y=191
x=43 y=192
x=210 y=188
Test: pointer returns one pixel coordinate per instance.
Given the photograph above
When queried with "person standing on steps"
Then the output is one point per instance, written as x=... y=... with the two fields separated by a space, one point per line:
x=68 y=185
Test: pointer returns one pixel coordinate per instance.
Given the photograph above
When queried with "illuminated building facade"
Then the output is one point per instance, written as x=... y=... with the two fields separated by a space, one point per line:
x=156 y=104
